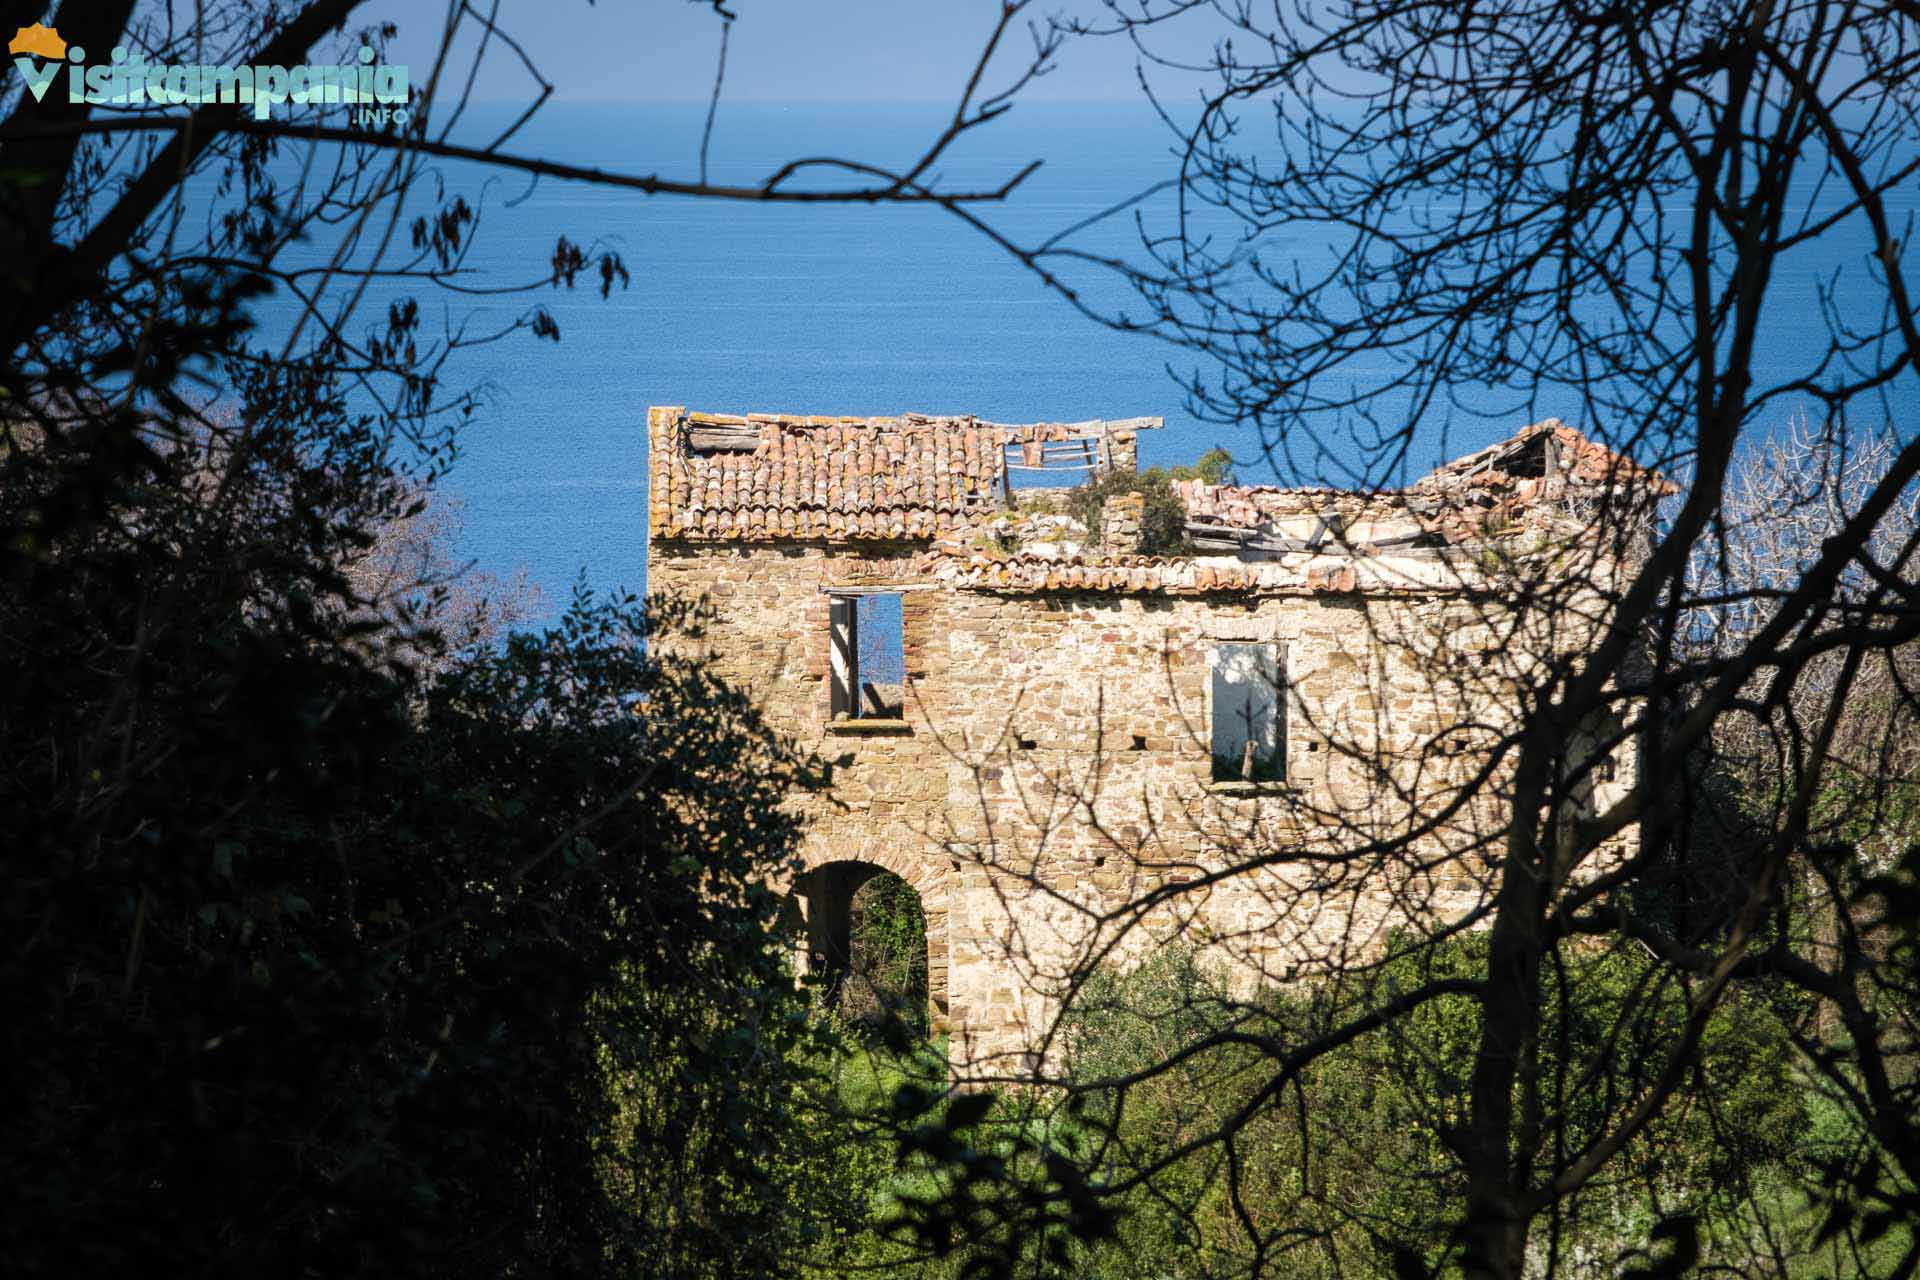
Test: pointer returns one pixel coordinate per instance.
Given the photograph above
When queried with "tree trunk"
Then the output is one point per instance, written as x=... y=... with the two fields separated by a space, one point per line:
x=1496 y=1226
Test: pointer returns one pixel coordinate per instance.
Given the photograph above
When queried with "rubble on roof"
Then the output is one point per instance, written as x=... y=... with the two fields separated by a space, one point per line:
x=1550 y=450
x=1528 y=481
x=1536 y=478
x=1267 y=520
x=1041 y=534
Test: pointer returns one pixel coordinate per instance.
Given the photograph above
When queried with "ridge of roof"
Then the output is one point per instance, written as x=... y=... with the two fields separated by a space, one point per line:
x=912 y=421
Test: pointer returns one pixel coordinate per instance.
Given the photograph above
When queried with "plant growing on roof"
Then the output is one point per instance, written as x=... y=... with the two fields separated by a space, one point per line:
x=1164 y=520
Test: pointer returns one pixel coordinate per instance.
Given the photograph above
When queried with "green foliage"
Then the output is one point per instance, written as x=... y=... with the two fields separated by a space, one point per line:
x=853 y=1108
x=996 y=1185
x=1346 y=1172
x=886 y=985
x=321 y=966
x=1868 y=1194
x=1345 y=1169
x=1877 y=814
x=1163 y=523
x=941 y=1176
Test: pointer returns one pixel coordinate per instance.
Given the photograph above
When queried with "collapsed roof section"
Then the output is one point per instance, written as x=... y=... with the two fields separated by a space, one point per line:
x=1545 y=474
x=1547 y=469
x=770 y=477
x=942 y=482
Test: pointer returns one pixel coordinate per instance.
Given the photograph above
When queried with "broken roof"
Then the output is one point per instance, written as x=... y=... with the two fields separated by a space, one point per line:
x=1292 y=541
x=768 y=477
x=1484 y=494
x=940 y=480
x=1550 y=450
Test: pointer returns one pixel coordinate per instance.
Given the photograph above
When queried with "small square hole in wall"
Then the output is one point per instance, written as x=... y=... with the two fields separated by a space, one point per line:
x=1139 y=742
x=1026 y=744
x=867 y=657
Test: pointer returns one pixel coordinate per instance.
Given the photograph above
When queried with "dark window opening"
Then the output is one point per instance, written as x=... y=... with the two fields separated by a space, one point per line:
x=867 y=657
x=1249 y=713
x=1139 y=742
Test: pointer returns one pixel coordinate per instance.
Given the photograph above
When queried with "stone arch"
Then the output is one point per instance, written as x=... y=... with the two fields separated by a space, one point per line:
x=823 y=890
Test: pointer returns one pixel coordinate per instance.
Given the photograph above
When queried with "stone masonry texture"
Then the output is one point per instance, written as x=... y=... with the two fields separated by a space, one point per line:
x=1050 y=790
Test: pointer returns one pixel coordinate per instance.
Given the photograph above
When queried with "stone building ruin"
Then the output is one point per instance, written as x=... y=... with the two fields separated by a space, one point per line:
x=1061 y=739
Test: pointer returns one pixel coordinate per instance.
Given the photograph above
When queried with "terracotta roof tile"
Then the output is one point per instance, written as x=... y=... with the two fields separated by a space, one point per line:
x=1023 y=574
x=768 y=476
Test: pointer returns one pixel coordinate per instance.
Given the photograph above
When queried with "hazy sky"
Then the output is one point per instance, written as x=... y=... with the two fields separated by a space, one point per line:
x=779 y=50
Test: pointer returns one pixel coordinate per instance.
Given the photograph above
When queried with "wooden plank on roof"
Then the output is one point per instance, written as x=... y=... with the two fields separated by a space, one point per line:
x=723 y=439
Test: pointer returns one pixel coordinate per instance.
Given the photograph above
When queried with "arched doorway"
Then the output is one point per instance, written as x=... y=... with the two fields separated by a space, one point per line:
x=867 y=937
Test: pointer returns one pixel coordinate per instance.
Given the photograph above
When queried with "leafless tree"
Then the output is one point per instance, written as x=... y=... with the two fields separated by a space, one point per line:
x=140 y=232
x=1511 y=210
x=1786 y=497
x=138 y=236
x=411 y=578
x=208 y=533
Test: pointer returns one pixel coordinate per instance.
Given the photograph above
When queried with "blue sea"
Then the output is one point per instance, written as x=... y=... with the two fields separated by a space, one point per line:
x=738 y=307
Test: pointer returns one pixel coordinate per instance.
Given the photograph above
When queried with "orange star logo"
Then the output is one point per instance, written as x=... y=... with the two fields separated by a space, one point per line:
x=41 y=41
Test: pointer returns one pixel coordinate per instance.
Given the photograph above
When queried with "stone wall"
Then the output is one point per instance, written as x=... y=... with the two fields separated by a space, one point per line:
x=1049 y=791
x=1121 y=518
x=770 y=639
